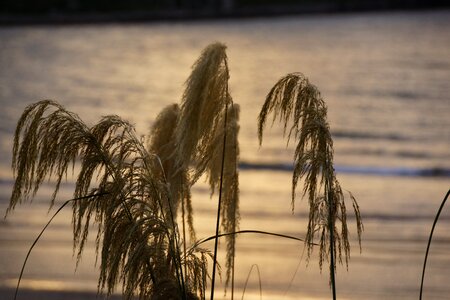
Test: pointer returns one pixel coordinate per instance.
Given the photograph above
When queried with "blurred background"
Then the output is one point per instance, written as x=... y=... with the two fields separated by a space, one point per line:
x=21 y=11
x=383 y=68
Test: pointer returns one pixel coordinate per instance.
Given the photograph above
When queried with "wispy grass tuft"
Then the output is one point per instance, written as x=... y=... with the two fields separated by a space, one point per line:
x=206 y=138
x=202 y=105
x=124 y=194
x=163 y=144
x=134 y=190
x=230 y=180
x=299 y=106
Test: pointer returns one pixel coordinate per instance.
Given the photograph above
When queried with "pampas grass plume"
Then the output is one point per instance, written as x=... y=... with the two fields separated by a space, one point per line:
x=299 y=106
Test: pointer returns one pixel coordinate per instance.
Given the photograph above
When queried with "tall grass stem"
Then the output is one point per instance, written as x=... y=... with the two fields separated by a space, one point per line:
x=429 y=241
x=332 y=258
x=173 y=246
x=184 y=234
x=213 y=278
x=248 y=277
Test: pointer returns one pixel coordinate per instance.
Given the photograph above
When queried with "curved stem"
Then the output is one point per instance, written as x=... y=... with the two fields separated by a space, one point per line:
x=42 y=232
x=219 y=204
x=248 y=231
x=429 y=242
x=248 y=277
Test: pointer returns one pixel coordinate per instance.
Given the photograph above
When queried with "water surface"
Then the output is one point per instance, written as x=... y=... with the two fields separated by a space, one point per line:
x=384 y=77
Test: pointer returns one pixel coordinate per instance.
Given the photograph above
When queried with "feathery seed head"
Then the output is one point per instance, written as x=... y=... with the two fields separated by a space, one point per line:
x=293 y=100
x=204 y=99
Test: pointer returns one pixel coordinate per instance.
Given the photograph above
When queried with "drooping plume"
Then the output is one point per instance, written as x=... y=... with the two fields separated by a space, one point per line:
x=208 y=119
x=300 y=107
x=203 y=102
x=115 y=189
x=162 y=143
x=230 y=178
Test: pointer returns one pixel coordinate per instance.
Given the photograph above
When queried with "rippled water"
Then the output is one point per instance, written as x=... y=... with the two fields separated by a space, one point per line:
x=385 y=78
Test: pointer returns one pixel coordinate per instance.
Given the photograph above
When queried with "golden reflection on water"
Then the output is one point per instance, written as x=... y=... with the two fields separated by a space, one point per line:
x=40 y=284
x=377 y=91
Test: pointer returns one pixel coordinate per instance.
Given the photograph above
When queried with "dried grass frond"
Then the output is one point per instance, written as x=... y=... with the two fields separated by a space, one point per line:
x=124 y=194
x=300 y=107
x=230 y=216
x=34 y=159
x=200 y=134
x=162 y=143
x=204 y=99
x=133 y=192
x=196 y=261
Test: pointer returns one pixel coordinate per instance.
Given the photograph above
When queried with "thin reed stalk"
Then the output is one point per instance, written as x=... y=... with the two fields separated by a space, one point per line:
x=332 y=251
x=41 y=233
x=247 y=279
x=184 y=234
x=206 y=139
x=219 y=203
x=284 y=236
x=436 y=218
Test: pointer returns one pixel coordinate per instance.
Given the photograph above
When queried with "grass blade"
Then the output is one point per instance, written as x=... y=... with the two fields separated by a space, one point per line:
x=332 y=249
x=248 y=277
x=219 y=204
x=249 y=231
x=42 y=232
x=429 y=241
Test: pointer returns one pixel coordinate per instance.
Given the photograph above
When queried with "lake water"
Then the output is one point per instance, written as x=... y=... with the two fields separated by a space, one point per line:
x=384 y=76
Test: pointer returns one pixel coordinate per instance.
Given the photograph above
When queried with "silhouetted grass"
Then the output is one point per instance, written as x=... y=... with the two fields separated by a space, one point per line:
x=436 y=218
x=134 y=189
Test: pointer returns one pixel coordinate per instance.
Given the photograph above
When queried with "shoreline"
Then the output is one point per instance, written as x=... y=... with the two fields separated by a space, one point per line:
x=179 y=15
